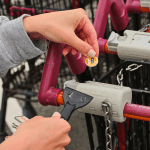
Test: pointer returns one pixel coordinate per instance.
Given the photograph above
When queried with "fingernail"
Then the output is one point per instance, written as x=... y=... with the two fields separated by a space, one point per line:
x=56 y=114
x=91 y=53
x=66 y=53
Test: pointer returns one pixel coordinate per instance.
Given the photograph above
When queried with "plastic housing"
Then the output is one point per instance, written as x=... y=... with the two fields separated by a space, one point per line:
x=116 y=95
x=145 y=3
x=134 y=45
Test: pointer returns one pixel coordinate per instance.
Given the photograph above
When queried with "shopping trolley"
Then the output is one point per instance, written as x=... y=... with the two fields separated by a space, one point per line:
x=122 y=137
x=82 y=77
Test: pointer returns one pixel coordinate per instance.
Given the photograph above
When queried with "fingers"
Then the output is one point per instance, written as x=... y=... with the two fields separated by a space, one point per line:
x=74 y=51
x=83 y=47
x=84 y=58
x=66 y=140
x=88 y=32
x=56 y=115
x=67 y=49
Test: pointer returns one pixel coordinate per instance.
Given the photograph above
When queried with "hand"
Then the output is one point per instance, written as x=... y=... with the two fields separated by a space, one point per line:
x=71 y=27
x=40 y=134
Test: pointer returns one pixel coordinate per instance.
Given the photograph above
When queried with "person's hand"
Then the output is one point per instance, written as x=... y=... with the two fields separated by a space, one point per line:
x=71 y=27
x=40 y=133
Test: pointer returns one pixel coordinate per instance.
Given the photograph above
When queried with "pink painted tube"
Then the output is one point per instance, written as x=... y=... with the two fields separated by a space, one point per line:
x=133 y=6
x=15 y=11
x=47 y=11
x=101 y=44
x=30 y=11
x=135 y=111
x=118 y=12
x=48 y=92
x=121 y=136
x=75 y=63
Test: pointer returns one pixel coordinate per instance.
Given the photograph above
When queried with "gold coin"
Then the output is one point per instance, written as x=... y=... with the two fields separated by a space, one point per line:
x=91 y=62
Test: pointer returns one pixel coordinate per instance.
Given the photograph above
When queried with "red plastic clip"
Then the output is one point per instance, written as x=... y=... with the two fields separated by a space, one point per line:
x=148 y=30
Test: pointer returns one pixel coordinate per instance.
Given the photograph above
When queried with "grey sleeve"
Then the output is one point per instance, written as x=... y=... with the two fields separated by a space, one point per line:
x=15 y=45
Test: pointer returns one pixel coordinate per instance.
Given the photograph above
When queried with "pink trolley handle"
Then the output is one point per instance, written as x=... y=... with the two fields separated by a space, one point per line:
x=48 y=92
x=135 y=111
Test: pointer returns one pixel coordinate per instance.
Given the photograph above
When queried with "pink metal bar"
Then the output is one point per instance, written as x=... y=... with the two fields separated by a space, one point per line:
x=75 y=4
x=121 y=136
x=101 y=44
x=135 y=111
x=30 y=11
x=133 y=6
x=18 y=11
x=75 y=63
x=47 y=11
x=118 y=12
x=6 y=1
x=48 y=92
x=15 y=11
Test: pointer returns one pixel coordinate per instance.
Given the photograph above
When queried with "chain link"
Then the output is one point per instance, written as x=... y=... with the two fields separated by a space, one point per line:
x=131 y=67
x=120 y=78
x=145 y=28
x=135 y=67
x=106 y=107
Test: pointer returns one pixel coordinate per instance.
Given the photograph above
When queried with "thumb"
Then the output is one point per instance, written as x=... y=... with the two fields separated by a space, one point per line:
x=56 y=114
x=81 y=46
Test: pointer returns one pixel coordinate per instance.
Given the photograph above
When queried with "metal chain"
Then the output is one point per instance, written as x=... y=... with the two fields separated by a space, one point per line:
x=135 y=67
x=106 y=107
x=145 y=28
x=120 y=78
x=131 y=67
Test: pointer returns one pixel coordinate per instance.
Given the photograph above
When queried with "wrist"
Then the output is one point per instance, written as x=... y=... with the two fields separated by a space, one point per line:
x=30 y=26
x=14 y=143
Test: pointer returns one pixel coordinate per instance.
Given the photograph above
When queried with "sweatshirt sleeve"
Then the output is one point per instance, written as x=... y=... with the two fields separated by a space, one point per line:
x=15 y=45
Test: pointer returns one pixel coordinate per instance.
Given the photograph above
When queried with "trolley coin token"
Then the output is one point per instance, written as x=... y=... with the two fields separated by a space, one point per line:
x=91 y=62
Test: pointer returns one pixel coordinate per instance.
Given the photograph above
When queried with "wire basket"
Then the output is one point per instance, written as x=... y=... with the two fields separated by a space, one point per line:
x=136 y=75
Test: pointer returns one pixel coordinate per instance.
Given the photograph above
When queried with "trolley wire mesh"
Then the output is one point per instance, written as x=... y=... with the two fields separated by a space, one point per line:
x=137 y=131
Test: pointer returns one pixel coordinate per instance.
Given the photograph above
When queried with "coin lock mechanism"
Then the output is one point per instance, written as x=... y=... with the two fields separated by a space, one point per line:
x=116 y=95
x=134 y=45
x=145 y=3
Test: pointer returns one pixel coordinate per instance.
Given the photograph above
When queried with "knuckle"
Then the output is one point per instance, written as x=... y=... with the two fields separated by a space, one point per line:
x=67 y=125
x=81 y=10
x=67 y=141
